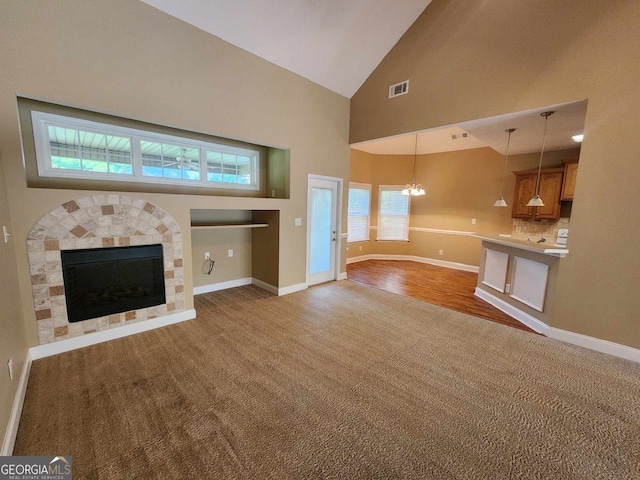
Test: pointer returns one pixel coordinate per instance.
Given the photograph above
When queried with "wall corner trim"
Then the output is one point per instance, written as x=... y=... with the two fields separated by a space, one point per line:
x=16 y=410
x=265 y=286
x=48 y=349
x=592 y=343
x=292 y=289
x=342 y=276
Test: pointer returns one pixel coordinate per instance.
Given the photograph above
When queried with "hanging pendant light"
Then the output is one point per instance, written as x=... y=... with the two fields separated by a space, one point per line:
x=501 y=202
x=536 y=201
x=414 y=189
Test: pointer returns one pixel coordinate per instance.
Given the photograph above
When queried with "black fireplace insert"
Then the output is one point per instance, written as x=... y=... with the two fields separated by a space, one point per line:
x=102 y=281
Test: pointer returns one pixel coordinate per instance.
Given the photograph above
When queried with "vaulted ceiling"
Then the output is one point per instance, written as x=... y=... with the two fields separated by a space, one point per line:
x=338 y=44
x=334 y=43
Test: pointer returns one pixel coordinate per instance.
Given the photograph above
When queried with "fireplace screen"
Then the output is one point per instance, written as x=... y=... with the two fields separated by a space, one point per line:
x=102 y=281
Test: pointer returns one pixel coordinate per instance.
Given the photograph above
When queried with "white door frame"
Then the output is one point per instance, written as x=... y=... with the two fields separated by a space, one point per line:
x=338 y=243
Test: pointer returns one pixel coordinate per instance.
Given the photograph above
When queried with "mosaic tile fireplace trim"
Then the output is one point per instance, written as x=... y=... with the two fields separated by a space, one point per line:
x=99 y=221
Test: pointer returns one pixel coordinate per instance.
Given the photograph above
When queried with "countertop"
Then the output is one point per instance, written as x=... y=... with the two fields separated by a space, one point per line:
x=544 y=248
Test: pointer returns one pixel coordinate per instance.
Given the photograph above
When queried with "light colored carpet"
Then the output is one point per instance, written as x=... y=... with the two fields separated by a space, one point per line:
x=340 y=381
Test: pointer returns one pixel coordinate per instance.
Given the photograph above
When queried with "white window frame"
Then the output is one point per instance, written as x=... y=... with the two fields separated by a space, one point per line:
x=41 y=121
x=398 y=188
x=360 y=186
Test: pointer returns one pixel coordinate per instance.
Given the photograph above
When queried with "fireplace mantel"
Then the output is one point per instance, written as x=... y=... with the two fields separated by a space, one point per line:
x=99 y=221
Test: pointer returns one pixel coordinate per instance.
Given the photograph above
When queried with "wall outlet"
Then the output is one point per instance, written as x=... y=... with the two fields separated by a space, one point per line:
x=273 y=193
x=6 y=234
x=473 y=221
x=507 y=288
x=207 y=255
x=10 y=365
x=441 y=252
x=297 y=221
x=359 y=248
x=230 y=253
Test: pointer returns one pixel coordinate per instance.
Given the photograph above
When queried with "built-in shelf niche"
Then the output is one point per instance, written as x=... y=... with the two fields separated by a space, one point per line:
x=252 y=234
x=228 y=225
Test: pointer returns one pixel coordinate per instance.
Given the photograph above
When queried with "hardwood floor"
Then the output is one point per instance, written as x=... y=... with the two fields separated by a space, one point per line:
x=441 y=286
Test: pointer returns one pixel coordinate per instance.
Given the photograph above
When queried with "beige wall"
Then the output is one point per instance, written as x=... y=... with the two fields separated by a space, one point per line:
x=218 y=243
x=265 y=243
x=13 y=343
x=469 y=60
x=128 y=59
x=255 y=250
x=460 y=186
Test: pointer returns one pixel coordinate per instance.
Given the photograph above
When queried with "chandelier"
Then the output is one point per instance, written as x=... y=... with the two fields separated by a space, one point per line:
x=414 y=189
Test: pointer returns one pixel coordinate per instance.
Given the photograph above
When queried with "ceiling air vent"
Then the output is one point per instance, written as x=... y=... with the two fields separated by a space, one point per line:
x=399 y=89
x=458 y=136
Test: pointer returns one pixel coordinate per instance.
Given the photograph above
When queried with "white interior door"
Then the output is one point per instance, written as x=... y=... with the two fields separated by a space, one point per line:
x=322 y=234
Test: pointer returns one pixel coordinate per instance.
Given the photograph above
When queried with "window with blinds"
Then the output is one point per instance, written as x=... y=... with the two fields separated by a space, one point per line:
x=358 y=213
x=393 y=213
x=75 y=148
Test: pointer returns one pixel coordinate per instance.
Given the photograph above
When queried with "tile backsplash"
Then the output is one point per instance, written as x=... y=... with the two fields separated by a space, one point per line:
x=521 y=229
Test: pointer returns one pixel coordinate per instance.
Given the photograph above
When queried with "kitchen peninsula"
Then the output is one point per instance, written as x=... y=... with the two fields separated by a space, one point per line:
x=519 y=277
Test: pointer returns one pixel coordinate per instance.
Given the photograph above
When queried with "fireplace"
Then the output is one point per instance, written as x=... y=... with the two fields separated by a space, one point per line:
x=102 y=281
x=108 y=225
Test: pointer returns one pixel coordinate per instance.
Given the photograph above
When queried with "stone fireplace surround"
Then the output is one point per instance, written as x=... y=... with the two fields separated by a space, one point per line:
x=99 y=221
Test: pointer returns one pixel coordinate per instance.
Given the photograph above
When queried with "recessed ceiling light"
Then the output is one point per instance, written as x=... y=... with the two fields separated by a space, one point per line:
x=578 y=138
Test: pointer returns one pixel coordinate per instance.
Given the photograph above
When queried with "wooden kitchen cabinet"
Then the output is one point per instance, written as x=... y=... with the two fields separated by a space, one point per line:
x=549 y=190
x=569 y=181
x=525 y=189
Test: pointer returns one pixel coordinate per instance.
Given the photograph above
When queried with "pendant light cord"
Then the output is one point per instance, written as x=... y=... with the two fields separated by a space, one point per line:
x=506 y=160
x=415 y=156
x=546 y=116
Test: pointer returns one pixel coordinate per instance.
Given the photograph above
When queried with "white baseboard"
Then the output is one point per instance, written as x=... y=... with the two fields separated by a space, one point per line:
x=604 y=346
x=16 y=409
x=370 y=256
x=342 y=276
x=214 y=287
x=265 y=286
x=415 y=258
x=292 y=289
x=592 y=343
x=74 y=343
x=530 y=321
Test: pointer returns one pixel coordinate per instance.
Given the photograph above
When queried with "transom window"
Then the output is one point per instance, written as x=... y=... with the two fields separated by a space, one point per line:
x=75 y=148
